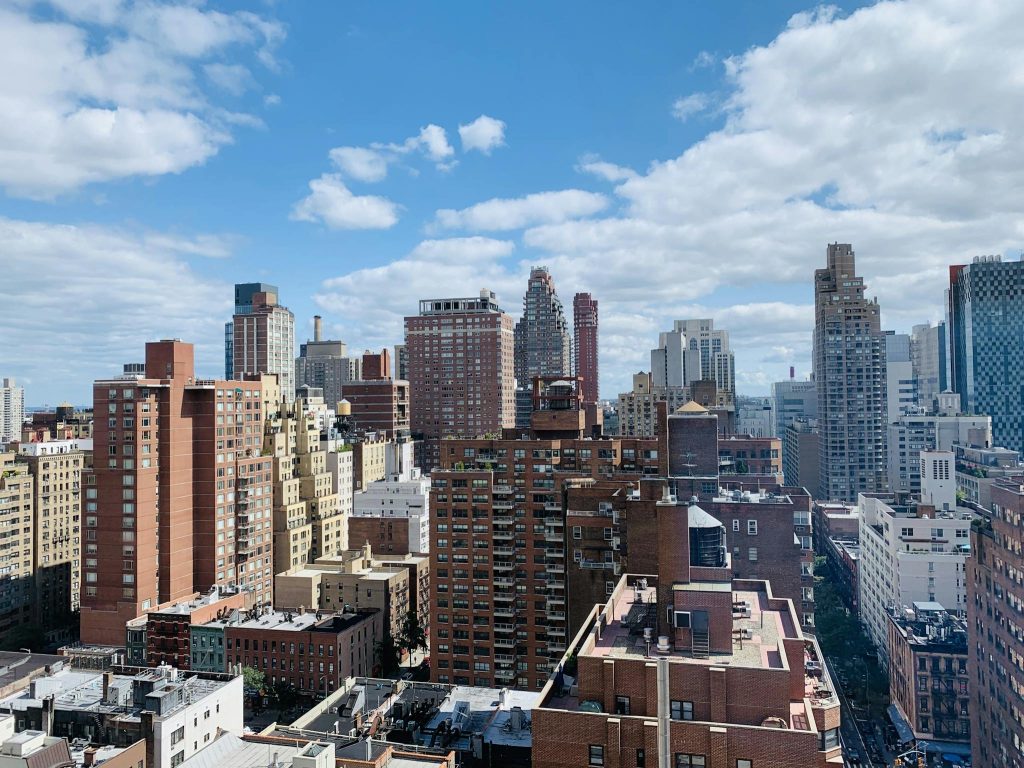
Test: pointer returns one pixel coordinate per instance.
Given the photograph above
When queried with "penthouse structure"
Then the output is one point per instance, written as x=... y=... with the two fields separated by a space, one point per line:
x=664 y=668
x=262 y=337
x=180 y=498
x=461 y=370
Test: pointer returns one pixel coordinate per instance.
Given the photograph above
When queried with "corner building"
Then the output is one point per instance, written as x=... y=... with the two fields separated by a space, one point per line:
x=688 y=667
x=182 y=495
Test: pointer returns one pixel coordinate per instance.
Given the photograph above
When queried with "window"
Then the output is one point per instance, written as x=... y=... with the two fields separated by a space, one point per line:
x=682 y=710
x=829 y=739
x=596 y=754
x=684 y=760
x=641 y=759
x=752 y=554
x=751 y=527
x=736 y=526
x=178 y=735
x=744 y=763
x=577 y=532
x=622 y=705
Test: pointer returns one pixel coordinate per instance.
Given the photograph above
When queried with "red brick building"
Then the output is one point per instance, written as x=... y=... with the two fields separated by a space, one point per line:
x=669 y=664
x=379 y=405
x=584 y=313
x=312 y=652
x=179 y=497
x=994 y=638
x=460 y=366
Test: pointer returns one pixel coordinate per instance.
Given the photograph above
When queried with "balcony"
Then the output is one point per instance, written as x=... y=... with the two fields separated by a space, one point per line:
x=502 y=490
x=556 y=648
x=501 y=504
x=553 y=536
x=502 y=519
x=505 y=674
x=555 y=584
x=552 y=506
x=554 y=553
x=504 y=597
x=553 y=615
x=504 y=550
x=555 y=600
x=555 y=568
x=499 y=566
x=504 y=581
x=504 y=658
x=504 y=642
x=505 y=612
x=506 y=629
x=503 y=535
x=557 y=631
x=554 y=522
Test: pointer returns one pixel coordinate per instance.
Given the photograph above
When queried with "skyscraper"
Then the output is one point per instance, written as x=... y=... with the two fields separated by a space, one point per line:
x=180 y=497
x=12 y=411
x=323 y=364
x=262 y=336
x=986 y=314
x=584 y=314
x=694 y=351
x=929 y=354
x=460 y=367
x=849 y=371
x=542 y=345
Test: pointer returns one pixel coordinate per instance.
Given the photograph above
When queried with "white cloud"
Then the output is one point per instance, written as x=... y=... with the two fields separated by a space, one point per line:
x=910 y=145
x=331 y=203
x=117 y=290
x=703 y=60
x=108 y=90
x=271 y=100
x=516 y=213
x=595 y=166
x=688 y=106
x=360 y=163
x=483 y=134
x=434 y=142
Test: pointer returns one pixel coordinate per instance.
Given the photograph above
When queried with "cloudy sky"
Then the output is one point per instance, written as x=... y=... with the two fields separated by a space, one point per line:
x=674 y=159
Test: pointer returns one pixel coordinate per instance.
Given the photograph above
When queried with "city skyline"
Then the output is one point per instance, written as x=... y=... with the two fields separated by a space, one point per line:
x=638 y=181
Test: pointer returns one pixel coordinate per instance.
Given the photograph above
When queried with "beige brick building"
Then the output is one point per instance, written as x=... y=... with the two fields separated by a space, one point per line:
x=16 y=544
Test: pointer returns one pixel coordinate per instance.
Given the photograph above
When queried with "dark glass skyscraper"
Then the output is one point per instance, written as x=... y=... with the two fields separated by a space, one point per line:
x=542 y=344
x=986 y=328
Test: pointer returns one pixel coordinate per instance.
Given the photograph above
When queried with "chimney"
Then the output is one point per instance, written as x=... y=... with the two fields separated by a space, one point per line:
x=149 y=735
x=47 y=714
x=89 y=758
x=317 y=327
x=108 y=678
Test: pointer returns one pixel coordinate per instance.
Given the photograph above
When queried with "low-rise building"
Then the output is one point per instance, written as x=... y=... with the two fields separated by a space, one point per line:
x=928 y=677
x=977 y=468
x=312 y=652
x=352 y=582
x=176 y=715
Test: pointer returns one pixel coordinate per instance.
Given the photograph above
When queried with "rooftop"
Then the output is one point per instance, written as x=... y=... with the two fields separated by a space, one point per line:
x=727 y=496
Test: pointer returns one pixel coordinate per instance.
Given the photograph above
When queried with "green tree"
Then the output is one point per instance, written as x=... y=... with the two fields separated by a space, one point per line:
x=253 y=679
x=385 y=652
x=411 y=635
x=286 y=695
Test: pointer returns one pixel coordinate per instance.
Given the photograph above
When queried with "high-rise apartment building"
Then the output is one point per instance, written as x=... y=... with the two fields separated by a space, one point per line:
x=57 y=467
x=307 y=519
x=849 y=371
x=986 y=313
x=909 y=552
x=323 y=364
x=263 y=336
x=929 y=354
x=244 y=295
x=401 y=362
x=542 y=343
x=693 y=351
x=461 y=378
x=801 y=452
x=584 y=313
x=12 y=410
x=16 y=497
x=793 y=399
x=637 y=409
x=940 y=428
x=901 y=394
x=180 y=498
x=994 y=640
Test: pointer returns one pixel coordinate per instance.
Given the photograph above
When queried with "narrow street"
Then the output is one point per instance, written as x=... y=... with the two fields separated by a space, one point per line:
x=850 y=733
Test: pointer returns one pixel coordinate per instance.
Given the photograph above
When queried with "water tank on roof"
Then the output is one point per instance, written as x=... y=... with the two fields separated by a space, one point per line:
x=707 y=539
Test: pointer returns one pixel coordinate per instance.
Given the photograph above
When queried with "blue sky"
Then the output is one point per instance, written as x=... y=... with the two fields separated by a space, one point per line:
x=675 y=159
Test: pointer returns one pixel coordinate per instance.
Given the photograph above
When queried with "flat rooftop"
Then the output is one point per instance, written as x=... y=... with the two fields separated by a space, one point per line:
x=622 y=638
x=726 y=496
x=486 y=711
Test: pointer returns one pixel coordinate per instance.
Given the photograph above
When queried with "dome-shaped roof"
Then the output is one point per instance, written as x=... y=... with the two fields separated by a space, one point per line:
x=692 y=407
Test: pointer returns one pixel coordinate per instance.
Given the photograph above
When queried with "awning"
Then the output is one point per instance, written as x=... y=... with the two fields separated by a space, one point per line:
x=903 y=729
x=950 y=747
